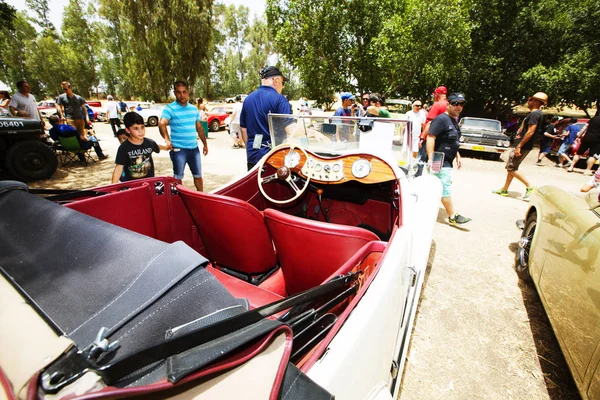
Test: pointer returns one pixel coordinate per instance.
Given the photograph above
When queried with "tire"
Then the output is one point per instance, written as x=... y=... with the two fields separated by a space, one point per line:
x=522 y=256
x=214 y=125
x=31 y=160
x=229 y=101
x=153 y=121
x=495 y=157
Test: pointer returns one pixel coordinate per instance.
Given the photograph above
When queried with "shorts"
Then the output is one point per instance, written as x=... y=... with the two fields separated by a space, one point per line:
x=592 y=145
x=564 y=148
x=415 y=143
x=445 y=176
x=191 y=157
x=513 y=162
x=545 y=147
x=234 y=131
x=78 y=124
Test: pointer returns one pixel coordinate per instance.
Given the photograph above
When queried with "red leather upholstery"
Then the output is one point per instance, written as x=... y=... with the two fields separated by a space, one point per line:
x=256 y=296
x=310 y=251
x=233 y=232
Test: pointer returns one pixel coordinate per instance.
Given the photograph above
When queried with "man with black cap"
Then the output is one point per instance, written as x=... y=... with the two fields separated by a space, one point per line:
x=444 y=136
x=254 y=118
x=526 y=132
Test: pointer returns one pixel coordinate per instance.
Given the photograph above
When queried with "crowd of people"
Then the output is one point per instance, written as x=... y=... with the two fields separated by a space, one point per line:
x=434 y=130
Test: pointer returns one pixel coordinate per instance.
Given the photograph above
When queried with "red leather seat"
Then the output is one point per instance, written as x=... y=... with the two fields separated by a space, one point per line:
x=233 y=231
x=311 y=251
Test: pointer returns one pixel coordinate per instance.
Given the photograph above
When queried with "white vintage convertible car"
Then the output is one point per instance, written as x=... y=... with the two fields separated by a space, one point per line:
x=299 y=280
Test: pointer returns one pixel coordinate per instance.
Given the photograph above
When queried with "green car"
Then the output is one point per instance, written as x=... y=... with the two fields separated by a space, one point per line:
x=558 y=252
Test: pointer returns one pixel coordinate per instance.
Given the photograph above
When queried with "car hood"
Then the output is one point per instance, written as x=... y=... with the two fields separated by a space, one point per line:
x=483 y=133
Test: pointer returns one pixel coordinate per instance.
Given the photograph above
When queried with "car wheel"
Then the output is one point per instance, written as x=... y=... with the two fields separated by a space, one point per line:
x=30 y=160
x=495 y=157
x=152 y=121
x=524 y=250
x=230 y=101
x=214 y=125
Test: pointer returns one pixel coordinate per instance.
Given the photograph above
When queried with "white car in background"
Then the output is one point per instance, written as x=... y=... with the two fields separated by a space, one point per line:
x=152 y=114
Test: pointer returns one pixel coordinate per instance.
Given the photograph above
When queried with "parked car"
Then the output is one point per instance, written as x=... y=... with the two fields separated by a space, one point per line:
x=45 y=104
x=559 y=253
x=232 y=99
x=317 y=301
x=482 y=134
x=152 y=114
x=217 y=117
x=47 y=111
x=22 y=151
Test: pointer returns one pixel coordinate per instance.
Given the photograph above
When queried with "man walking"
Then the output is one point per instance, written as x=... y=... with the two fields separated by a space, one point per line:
x=69 y=106
x=569 y=134
x=22 y=103
x=113 y=114
x=254 y=118
x=590 y=143
x=417 y=120
x=186 y=127
x=526 y=132
x=546 y=139
x=444 y=136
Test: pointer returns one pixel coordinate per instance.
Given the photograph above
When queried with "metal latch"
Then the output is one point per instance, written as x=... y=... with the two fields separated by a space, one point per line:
x=159 y=188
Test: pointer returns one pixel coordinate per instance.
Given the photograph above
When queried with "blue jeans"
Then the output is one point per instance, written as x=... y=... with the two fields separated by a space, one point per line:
x=191 y=157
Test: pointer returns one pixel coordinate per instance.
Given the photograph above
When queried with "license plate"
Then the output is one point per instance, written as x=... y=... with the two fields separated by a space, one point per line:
x=478 y=148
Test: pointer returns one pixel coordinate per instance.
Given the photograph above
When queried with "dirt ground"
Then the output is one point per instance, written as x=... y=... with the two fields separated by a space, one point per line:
x=479 y=333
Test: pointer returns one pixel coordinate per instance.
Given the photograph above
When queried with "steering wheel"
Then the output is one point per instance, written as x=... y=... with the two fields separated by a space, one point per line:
x=283 y=173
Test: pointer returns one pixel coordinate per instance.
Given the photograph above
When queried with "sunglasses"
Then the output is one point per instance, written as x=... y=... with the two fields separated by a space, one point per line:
x=418 y=105
x=458 y=103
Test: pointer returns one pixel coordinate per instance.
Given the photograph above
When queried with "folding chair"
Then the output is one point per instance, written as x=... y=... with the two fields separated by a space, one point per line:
x=71 y=151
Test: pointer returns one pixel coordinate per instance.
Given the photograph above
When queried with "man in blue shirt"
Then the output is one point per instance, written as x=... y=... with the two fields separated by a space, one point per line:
x=254 y=118
x=65 y=130
x=186 y=127
x=348 y=108
x=569 y=134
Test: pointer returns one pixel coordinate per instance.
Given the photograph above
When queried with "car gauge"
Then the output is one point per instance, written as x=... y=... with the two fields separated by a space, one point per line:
x=361 y=168
x=292 y=159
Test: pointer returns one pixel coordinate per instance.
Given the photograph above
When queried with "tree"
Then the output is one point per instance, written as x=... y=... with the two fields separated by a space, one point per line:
x=79 y=37
x=15 y=49
x=7 y=15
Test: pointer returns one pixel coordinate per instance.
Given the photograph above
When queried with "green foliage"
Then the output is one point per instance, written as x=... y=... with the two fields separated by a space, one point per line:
x=7 y=15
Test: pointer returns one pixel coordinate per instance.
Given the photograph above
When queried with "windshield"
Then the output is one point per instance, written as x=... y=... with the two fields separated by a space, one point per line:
x=327 y=135
x=482 y=124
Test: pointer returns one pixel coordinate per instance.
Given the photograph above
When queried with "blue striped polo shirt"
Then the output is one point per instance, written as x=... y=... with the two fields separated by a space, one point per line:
x=182 y=120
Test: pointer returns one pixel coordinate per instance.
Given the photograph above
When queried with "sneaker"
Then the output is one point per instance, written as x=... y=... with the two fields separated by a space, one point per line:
x=569 y=164
x=538 y=162
x=501 y=192
x=588 y=173
x=458 y=219
x=559 y=165
x=103 y=157
x=528 y=192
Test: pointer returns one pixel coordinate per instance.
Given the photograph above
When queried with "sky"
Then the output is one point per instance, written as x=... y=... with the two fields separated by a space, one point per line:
x=57 y=6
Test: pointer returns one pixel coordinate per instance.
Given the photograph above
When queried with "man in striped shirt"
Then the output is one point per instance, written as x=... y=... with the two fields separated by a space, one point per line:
x=184 y=120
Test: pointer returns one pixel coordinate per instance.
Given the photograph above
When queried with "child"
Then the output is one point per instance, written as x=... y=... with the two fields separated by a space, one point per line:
x=134 y=157
x=122 y=135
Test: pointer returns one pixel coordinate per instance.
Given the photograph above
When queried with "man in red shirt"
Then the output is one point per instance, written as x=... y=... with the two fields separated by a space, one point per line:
x=439 y=107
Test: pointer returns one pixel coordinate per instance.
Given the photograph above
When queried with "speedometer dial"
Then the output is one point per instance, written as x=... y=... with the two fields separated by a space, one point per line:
x=361 y=168
x=292 y=159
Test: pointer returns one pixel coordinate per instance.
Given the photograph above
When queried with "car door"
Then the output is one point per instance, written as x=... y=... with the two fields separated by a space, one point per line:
x=570 y=284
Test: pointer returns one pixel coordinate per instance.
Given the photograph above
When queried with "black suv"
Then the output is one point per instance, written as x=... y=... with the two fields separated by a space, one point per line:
x=22 y=150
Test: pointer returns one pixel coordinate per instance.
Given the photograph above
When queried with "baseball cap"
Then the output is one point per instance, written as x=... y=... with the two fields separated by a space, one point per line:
x=109 y=97
x=347 y=96
x=440 y=90
x=269 y=72
x=456 y=97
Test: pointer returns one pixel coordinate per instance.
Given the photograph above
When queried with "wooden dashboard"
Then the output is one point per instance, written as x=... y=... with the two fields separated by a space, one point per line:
x=363 y=168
